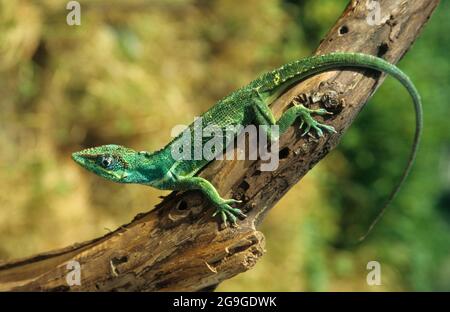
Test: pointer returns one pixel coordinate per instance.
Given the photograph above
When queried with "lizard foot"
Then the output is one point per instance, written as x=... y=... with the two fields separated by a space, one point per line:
x=227 y=212
x=305 y=115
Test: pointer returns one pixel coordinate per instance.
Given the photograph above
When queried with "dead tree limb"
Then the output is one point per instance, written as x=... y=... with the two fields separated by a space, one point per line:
x=178 y=245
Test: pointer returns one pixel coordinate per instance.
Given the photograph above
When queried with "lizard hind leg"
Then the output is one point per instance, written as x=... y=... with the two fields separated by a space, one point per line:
x=264 y=116
x=306 y=119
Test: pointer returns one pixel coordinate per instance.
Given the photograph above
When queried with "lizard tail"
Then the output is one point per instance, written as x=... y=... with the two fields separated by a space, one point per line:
x=291 y=73
x=368 y=61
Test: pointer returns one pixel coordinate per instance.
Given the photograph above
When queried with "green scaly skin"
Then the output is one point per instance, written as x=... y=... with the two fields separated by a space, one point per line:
x=245 y=106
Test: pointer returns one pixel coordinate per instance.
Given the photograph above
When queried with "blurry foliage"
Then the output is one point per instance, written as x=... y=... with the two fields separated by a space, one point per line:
x=134 y=69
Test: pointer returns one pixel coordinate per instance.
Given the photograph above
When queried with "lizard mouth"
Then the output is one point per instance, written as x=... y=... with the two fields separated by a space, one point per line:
x=79 y=159
x=85 y=160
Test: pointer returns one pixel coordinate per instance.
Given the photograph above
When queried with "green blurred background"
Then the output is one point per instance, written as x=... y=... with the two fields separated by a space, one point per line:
x=134 y=69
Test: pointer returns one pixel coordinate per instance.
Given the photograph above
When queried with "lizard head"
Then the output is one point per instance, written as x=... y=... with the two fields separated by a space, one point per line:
x=113 y=162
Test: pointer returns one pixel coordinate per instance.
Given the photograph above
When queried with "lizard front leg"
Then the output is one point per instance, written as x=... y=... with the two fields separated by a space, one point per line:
x=222 y=205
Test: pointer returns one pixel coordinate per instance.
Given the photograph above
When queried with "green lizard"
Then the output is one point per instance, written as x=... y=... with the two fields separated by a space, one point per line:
x=245 y=106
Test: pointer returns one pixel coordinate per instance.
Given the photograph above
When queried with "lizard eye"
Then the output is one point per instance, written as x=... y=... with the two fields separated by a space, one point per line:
x=106 y=161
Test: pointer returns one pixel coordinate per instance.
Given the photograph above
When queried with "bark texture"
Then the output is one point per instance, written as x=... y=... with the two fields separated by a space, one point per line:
x=178 y=245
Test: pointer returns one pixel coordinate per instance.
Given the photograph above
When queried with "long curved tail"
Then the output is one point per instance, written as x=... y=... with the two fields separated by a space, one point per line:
x=299 y=70
x=363 y=60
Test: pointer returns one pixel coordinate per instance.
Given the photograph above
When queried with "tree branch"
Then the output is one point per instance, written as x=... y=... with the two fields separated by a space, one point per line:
x=178 y=245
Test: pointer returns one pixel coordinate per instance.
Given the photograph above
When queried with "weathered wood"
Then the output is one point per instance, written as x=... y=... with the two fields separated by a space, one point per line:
x=178 y=246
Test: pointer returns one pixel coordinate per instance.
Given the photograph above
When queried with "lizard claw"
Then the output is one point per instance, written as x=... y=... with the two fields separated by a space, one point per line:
x=227 y=212
x=329 y=128
x=318 y=130
x=232 y=201
x=308 y=127
x=310 y=122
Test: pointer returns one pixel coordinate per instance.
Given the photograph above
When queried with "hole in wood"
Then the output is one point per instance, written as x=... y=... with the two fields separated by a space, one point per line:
x=182 y=205
x=244 y=185
x=382 y=49
x=284 y=153
x=343 y=30
x=119 y=260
